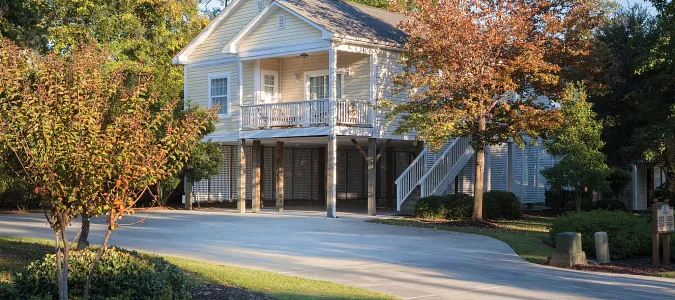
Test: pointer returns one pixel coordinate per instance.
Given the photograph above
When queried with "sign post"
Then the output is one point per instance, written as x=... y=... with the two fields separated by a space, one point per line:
x=663 y=223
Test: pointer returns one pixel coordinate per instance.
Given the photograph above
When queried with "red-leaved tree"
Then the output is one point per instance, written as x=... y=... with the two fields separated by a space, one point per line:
x=477 y=68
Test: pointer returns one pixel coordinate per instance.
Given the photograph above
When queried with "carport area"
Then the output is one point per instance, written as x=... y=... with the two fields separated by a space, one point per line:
x=298 y=174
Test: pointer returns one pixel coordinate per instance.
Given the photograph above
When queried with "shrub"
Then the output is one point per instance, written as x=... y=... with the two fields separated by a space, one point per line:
x=496 y=205
x=609 y=204
x=629 y=235
x=501 y=205
x=450 y=207
x=120 y=274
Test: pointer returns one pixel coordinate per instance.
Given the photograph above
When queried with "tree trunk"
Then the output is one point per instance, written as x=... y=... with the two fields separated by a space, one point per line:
x=478 y=187
x=83 y=241
x=87 y=286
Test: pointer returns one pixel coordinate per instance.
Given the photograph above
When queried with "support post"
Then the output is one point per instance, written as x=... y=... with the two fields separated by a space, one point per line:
x=280 y=175
x=241 y=203
x=331 y=162
x=510 y=175
x=389 y=181
x=372 y=176
x=255 y=189
x=187 y=186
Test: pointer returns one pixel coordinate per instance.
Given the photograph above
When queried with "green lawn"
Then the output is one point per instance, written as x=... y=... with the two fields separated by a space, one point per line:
x=15 y=253
x=526 y=235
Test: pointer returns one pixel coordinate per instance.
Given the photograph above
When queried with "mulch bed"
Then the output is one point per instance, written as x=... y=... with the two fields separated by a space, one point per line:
x=219 y=292
x=465 y=223
x=636 y=266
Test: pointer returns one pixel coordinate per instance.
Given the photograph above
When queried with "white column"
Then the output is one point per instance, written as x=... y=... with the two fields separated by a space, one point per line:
x=331 y=159
x=372 y=176
x=487 y=177
x=510 y=175
x=373 y=88
x=241 y=166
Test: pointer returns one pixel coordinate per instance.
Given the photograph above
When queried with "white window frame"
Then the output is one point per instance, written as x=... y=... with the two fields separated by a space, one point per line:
x=227 y=76
x=262 y=85
x=318 y=73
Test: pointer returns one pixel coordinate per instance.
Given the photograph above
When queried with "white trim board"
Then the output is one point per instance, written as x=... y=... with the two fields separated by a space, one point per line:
x=182 y=56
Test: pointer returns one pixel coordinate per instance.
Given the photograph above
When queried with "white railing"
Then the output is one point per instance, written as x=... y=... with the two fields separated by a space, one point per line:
x=304 y=114
x=353 y=112
x=410 y=178
x=446 y=167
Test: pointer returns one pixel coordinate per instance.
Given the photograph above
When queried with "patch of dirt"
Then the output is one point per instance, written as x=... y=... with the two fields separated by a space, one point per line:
x=220 y=292
x=466 y=223
x=636 y=266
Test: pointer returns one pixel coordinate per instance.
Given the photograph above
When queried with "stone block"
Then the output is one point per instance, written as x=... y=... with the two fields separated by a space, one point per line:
x=560 y=259
x=602 y=247
x=568 y=242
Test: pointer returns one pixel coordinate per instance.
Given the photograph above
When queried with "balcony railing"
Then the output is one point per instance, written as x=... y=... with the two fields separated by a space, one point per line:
x=306 y=113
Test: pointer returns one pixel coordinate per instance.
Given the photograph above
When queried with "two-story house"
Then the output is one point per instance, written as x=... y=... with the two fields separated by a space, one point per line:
x=298 y=83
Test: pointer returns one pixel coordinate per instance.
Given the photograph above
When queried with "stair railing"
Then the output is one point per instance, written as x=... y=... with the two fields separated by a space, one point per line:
x=410 y=178
x=448 y=165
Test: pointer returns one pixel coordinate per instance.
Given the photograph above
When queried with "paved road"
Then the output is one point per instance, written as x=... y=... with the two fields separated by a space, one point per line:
x=411 y=263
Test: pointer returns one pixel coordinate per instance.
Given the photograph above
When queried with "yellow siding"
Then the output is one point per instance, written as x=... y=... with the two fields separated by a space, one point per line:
x=233 y=23
x=387 y=67
x=248 y=68
x=197 y=92
x=267 y=33
x=356 y=86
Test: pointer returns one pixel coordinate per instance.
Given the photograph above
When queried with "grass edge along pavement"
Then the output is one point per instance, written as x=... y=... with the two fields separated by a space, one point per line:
x=527 y=236
x=16 y=252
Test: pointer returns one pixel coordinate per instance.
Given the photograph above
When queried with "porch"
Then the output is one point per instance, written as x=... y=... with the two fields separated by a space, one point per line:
x=307 y=90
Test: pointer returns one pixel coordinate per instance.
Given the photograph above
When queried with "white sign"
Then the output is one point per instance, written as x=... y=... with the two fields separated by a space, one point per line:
x=665 y=220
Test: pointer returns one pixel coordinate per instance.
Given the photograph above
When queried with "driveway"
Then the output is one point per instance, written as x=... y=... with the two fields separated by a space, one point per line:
x=412 y=263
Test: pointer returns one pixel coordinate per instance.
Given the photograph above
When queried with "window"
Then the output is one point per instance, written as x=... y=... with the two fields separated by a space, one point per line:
x=282 y=22
x=269 y=86
x=317 y=86
x=261 y=5
x=219 y=93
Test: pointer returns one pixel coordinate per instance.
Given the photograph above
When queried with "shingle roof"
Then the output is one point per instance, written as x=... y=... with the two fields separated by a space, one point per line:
x=351 y=20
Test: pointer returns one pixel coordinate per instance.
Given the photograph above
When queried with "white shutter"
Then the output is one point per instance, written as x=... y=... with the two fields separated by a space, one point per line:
x=499 y=167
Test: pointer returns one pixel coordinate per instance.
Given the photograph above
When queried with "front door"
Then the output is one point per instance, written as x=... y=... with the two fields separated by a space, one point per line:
x=269 y=86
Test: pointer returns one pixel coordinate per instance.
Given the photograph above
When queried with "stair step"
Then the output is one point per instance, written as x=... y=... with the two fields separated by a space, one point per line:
x=408 y=206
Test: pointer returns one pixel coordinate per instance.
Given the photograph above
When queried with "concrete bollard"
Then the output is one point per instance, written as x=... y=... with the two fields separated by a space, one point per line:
x=568 y=250
x=602 y=247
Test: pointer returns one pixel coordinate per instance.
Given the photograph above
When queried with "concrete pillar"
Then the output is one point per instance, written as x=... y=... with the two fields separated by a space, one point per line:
x=188 y=193
x=331 y=159
x=601 y=247
x=241 y=203
x=279 y=163
x=255 y=182
x=372 y=176
x=510 y=175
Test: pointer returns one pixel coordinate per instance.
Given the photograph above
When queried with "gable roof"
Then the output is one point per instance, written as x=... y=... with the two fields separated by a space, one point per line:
x=351 y=20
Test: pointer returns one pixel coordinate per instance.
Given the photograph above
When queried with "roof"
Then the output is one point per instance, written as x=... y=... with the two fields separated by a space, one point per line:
x=351 y=20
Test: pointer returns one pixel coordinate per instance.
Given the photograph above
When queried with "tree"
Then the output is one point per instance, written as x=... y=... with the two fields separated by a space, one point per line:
x=87 y=138
x=477 y=68
x=577 y=142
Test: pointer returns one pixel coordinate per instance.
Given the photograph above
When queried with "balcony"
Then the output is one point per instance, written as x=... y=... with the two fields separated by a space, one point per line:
x=307 y=113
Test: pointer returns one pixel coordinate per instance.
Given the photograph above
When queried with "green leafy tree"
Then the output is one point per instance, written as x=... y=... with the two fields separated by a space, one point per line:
x=578 y=143
x=87 y=137
x=476 y=68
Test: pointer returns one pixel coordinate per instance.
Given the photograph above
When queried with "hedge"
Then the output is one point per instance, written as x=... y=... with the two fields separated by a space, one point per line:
x=496 y=205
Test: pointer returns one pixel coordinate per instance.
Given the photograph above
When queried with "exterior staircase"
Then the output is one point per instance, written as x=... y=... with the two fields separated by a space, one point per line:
x=430 y=173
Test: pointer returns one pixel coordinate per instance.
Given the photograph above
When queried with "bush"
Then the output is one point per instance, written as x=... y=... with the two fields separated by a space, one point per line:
x=501 y=205
x=609 y=204
x=629 y=235
x=449 y=207
x=496 y=205
x=120 y=274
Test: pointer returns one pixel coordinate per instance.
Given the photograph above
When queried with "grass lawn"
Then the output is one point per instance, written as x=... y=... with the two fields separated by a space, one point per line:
x=15 y=253
x=526 y=235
